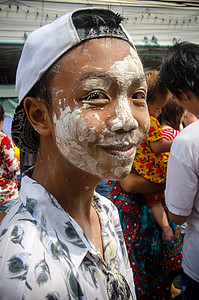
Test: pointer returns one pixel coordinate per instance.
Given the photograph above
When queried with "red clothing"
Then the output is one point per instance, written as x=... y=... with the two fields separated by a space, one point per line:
x=169 y=133
x=8 y=168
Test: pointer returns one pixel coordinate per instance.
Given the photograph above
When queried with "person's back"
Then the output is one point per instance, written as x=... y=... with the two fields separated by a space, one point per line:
x=189 y=156
x=182 y=195
x=179 y=72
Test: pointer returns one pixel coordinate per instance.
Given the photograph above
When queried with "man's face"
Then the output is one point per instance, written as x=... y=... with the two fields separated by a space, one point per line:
x=99 y=110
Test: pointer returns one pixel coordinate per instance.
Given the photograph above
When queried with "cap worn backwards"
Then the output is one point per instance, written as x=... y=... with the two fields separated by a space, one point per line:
x=44 y=47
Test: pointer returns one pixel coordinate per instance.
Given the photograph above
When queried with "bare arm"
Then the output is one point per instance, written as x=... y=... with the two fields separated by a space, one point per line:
x=178 y=219
x=161 y=146
x=135 y=183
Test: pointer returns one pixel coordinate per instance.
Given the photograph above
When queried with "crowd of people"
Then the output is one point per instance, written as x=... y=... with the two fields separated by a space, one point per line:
x=108 y=204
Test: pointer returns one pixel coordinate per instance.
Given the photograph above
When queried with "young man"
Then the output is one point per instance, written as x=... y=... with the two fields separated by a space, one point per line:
x=180 y=74
x=82 y=108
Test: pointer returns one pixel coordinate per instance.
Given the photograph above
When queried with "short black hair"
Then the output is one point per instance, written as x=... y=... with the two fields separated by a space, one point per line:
x=95 y=18
x=180 y=69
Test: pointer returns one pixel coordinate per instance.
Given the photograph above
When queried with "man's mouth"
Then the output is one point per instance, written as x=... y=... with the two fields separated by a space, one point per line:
x=120 y=150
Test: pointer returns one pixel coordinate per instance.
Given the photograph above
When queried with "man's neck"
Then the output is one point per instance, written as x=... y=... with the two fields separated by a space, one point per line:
x=71 y=187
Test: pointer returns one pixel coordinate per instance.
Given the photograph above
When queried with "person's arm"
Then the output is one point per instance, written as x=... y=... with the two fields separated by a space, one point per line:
x=177 y=219
x=161 y=146
x=135 y=183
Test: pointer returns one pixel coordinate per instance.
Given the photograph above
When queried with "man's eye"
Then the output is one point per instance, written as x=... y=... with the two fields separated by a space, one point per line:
x=139 y=99
x=95 y=96
x=139 y=95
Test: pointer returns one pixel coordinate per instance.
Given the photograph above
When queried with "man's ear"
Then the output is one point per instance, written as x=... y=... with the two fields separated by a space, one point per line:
x=38 y=115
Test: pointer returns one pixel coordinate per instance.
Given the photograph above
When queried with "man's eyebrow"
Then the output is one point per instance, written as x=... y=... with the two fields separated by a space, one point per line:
x=89 y=75
x=141 y=78
x=103 y=76
x=92 y=75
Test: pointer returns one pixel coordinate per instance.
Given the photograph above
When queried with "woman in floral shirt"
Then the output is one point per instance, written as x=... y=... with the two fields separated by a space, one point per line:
x=8 y=168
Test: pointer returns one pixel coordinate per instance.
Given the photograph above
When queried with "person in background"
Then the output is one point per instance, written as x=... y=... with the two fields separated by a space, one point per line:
x=9 y=166
x=82 y=108
x=179 y=72
x=150 y=161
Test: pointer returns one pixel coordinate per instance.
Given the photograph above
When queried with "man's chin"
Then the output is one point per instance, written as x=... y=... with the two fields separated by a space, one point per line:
x=119 y=173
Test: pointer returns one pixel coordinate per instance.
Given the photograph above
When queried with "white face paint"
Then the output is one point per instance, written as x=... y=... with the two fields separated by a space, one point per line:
x=101 y=83
x=71 y=147
x=57 y=92
x=95 y=140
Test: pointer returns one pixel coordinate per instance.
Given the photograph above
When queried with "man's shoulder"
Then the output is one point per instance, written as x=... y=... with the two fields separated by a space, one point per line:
x=188 y=135
x=185 y=147
x=190 y=128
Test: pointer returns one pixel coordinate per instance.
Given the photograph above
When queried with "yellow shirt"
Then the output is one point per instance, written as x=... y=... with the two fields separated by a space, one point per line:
x=147 y=163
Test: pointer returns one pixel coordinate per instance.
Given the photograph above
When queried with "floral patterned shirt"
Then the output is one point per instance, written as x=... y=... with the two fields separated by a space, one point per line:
x=8 y=168
x=147 y=163
x=44 y=253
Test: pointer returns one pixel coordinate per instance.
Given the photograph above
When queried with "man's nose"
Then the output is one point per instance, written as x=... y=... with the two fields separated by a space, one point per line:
x=123 y=119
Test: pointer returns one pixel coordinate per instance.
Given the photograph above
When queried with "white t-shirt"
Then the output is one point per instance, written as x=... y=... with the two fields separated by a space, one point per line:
x=182 y=192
